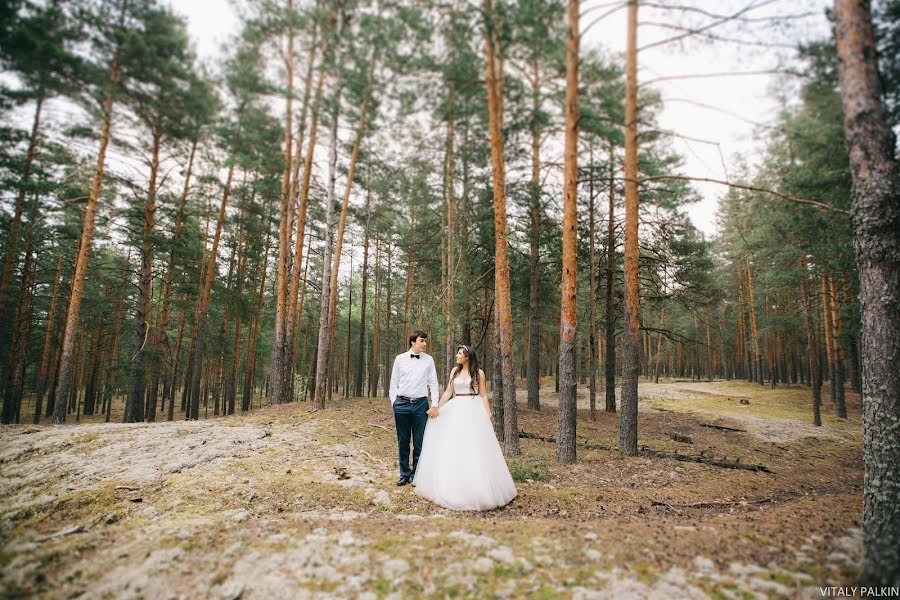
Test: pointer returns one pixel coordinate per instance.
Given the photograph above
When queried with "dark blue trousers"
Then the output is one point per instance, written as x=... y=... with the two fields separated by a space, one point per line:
x=410 y=419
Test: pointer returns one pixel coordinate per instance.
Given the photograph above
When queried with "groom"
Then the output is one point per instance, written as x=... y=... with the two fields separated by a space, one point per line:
x=413 y=380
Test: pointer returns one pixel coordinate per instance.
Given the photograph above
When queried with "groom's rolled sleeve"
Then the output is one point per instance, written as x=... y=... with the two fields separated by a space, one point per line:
x=433 y=389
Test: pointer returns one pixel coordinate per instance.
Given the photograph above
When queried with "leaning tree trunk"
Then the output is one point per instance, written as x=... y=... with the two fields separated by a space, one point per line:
x=12 y=240
x=568 y=373
x=631 y=347
x=81 y=259
x=501 y=245
x=876 y=221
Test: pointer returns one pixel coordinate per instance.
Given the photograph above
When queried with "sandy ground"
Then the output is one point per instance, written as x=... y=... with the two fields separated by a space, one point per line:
x=287 y=503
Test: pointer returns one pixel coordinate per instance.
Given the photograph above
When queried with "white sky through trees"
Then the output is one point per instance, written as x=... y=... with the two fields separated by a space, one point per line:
x=731 y=105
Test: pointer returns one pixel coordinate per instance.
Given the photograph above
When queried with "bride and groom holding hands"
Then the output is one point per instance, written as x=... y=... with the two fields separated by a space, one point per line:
x=456 y=460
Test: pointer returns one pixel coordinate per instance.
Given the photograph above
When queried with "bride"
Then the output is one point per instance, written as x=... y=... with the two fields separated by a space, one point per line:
x=462 y=466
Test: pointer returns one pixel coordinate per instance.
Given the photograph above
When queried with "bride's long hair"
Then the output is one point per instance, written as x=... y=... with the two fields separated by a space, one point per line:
x=474 y=368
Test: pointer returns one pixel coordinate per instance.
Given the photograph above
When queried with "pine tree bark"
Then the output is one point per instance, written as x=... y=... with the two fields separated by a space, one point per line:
x=501 y=244
x=321 y=394
x=754 y=326
x=40 y=385
x=342 y=221
x=631 y=342
x=361 y=361
x=568 y=399
x=812 y=349
x=202 y=313
x=12 y=240
x=134 y=406
x=374 y=367
x=593 y=343
x=876 y=221
x=610 y=362
x=250 y=359
x=81 y=258
x=839 y=360
x=18 y=357
x=534 y=266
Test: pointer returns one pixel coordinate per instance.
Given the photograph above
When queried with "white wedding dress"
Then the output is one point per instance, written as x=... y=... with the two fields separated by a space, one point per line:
x=462 y=466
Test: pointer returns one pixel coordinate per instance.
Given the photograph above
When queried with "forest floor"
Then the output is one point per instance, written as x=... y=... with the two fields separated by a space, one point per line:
x=287 y=503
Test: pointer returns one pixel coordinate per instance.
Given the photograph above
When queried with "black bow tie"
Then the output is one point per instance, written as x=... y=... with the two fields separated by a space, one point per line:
x=414 y=355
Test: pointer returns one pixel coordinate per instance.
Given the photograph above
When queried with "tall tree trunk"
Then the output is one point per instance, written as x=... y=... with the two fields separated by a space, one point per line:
x=112 y=368
x=592 y=340
x=324 y=344
x=876 y=221
x=451 y=260
x=812 y=349
x=15 y=377
x=754 y=327
x=828 y=325
x=374 y=368
x=134 y=406
x=534 y=266
x=361 y=361
x=631 y=342
x=250 y=359
x=568 y=399
x=209 y=272
x=839 y=361
x=610 y=363
x=81 y=258
x=41 y=383
x=282 y=378
x=387 y=321
x=342 y=221
x=12 y=240
x=501 y=245
x=160 y=342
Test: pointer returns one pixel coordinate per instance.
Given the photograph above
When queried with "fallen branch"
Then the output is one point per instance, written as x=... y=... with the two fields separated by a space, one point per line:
x=378 y=426
x=722 y=427
x=63 y=533
x=714 y=462
x=712 y=504
x=724 y=464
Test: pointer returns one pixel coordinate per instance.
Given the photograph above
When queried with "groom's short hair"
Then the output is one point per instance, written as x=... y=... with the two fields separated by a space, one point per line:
x=413 y=336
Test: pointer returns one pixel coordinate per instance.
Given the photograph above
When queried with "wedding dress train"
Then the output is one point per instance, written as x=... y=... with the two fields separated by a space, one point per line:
x=462 y=466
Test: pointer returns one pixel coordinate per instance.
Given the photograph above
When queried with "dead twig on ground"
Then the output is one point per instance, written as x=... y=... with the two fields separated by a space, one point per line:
x=62 y=533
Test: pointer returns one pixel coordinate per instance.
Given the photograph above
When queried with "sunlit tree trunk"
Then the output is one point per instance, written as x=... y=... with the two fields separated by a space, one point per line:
x=81 y=258
x=501 y=245
x=631 y=350
x=568 y=407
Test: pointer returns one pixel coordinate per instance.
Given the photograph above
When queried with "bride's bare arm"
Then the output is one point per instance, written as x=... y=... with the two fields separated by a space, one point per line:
x=448 y=393
x=482 y=391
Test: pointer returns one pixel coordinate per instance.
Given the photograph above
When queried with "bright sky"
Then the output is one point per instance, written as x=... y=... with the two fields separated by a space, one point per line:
x=740 y=100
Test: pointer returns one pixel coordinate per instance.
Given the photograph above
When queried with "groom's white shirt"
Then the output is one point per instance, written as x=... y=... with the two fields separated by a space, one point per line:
x=414 y=377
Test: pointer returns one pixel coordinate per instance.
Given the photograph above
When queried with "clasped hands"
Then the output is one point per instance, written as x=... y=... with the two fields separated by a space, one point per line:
x=433 y=412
